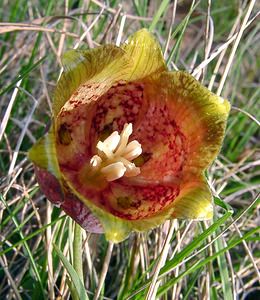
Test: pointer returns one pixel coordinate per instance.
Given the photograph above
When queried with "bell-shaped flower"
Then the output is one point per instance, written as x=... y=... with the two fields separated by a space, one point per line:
x=130 y=141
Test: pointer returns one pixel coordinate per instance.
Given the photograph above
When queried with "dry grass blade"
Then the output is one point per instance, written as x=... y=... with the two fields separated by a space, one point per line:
x=9 y=109
x=104 y=270
x=247 y=114
x=221 y=48
x=9 y=27
x=234 y=48
x=11 y=280
x=151 y=294
x=216 y=41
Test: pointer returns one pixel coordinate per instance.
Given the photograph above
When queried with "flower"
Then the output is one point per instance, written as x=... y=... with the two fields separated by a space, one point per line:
x=130 y=141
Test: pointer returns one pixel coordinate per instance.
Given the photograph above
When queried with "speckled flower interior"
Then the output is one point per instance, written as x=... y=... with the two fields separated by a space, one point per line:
x=130 y=141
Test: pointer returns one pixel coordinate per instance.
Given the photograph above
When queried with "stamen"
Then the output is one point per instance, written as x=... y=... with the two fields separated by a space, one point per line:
x=132 y=150
x=112 y=141
x=115 y=155
x=114 y=171
x=103 y=150
x=131 y=169
x=127 y=131
x=95 y=161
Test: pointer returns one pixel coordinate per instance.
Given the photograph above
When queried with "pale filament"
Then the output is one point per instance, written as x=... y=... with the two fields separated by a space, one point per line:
x=115 y=155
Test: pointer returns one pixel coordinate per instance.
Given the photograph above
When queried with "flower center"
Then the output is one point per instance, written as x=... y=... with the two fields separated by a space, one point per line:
x=115 y=155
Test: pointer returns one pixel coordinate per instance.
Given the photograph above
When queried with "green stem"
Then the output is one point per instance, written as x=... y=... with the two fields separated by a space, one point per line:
x=77 y=251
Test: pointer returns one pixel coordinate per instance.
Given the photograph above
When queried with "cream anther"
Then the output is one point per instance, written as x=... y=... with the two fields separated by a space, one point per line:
x=124 y=136
x=115 y=155
x=114 y=171
x=95 y=161
x=132 y=150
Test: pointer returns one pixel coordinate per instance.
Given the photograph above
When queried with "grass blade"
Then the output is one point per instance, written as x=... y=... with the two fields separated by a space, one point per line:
x=78 y=284
x=159 y=13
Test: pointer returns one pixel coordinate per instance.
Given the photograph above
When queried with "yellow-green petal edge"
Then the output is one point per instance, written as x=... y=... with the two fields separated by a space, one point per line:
x=105 y=65
x=145 y=53
x=115 y=229
x=43 y=154
x=194 y=202
x=201 y=116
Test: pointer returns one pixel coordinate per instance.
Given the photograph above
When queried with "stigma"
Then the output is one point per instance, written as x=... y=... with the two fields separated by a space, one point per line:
x=115 y=155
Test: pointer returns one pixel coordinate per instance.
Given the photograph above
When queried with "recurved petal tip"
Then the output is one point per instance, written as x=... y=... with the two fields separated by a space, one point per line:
x=63 y=198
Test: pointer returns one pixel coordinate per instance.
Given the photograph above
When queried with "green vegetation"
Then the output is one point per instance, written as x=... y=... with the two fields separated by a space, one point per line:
x=217 y=259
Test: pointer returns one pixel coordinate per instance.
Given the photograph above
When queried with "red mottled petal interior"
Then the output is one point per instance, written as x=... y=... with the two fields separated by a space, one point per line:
x=163 y=144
